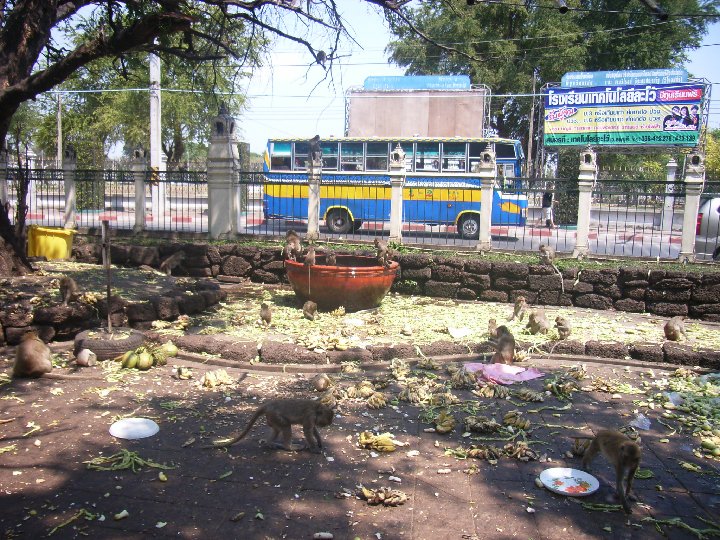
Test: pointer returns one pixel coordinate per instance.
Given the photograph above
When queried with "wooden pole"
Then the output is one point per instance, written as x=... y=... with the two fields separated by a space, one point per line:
x=106 y=263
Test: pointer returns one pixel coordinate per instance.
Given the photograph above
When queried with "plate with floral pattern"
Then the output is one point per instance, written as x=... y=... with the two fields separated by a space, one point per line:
x=571 y=482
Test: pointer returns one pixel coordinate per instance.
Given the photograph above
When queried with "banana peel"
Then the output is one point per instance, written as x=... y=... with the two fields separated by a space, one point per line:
x=382 y=443
x=385 y=496
x=444 y=422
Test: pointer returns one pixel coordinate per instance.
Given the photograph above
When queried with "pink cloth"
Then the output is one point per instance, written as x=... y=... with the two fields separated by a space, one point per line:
x=504 y=373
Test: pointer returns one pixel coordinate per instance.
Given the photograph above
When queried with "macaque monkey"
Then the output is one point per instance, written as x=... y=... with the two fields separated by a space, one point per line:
x=281 y=414
x=315 y=150
x=563 y=327
x=537 y=323
x=382 y=252
x=505 y=348
x=321 y=382
x=173 y=261
x=265 y=313
x=330 y=258
x=622 y=453
x=310 y=256
x=492 y=329
x=69 y=290
x=674 y=328
x=293 y=248
x=309 y=310
x=32 y=359
x=520 y=308
x=548 y=256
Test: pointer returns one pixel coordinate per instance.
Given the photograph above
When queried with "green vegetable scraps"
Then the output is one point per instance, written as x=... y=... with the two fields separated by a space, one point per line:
x=600 y=507
x=8 y=448
x=701 y=534
x=82 y=513
x=121 y=461
x=644 y=474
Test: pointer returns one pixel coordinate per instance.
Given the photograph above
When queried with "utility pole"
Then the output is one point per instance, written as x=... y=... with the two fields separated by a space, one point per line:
x=531 y=129
x=59 y=132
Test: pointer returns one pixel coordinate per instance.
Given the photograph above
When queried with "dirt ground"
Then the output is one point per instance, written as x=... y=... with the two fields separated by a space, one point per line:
x=51 y=429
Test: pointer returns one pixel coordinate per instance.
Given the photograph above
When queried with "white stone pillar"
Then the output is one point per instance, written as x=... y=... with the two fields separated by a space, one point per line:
x=397 y=182
x=69 y=164
x=138 y=166
x=694 y=181
x=222 y=167
x=669 y=201
x=586 y=181
x=314 y=169
x=487 y=171
x=3 y=177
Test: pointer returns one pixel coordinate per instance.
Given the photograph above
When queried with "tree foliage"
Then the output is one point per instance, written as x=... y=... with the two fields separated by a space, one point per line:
x=712 y=157
x=501 y=44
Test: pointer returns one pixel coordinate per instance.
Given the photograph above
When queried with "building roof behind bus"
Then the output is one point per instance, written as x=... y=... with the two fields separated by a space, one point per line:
x=394 y=139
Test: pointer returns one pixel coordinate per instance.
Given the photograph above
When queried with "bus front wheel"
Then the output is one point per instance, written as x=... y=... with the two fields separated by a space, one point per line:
x=469 y=228
x=338 y=221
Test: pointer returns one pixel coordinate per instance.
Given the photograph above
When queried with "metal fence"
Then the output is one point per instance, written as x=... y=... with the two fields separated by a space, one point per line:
x=628 y=218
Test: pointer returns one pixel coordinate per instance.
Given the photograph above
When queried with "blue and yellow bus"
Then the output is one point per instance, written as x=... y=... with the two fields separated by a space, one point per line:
x=440 y=188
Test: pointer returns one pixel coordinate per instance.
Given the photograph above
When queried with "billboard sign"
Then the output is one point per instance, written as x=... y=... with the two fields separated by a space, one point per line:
x=418 y=82
x=585 y=79
x=657 y=115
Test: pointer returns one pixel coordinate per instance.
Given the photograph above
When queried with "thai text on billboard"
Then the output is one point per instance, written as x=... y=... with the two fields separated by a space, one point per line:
x=660 y=115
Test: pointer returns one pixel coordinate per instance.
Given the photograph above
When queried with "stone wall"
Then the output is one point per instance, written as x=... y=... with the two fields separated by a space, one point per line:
x=662 y=292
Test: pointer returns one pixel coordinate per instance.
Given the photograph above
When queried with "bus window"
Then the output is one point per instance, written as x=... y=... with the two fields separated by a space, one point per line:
x=377 y=156
x=281 y=156
x=453 y=157
x=301 y=155
x=503 y=150
x=476 y=150
x=351 y=156
x=427 y=156
x=329 y=156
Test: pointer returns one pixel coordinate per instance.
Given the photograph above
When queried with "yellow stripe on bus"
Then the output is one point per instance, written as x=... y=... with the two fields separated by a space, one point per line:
x=379 y=193
x=510 y=208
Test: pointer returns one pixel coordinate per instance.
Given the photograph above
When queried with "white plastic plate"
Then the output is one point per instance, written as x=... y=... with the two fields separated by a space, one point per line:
x=571 y=482
x=134 y=428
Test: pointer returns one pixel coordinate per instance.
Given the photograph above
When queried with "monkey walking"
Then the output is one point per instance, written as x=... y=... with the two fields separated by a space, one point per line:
x=33 y=359
x=675 y=328
x=281 y=414
x=265 y=313
x=505 y=346
x=520 y=308
x=173 y=261
x=622 y=453
x=563 y=327
x=548 y=256
x=69 y=290
x=537 y=323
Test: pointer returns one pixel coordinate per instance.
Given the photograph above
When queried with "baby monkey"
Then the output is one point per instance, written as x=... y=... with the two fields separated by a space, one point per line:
x=310 y=310
x=622 y=453
x=674 y=328
x=281 y=414
x=330 y=258
x=265 y=313
x=548 y=256
x=520 y=308
x=563 y=327
x=310 y=257
x=537 y=323
x=69 y=290
x=382 y=252
x=505 y=347
x=492 y=329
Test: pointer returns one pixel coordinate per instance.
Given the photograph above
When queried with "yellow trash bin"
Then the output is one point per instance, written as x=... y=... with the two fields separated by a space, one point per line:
x=49 y=242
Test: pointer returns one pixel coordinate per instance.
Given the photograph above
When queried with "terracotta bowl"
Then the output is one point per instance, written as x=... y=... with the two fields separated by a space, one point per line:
x=357 y=282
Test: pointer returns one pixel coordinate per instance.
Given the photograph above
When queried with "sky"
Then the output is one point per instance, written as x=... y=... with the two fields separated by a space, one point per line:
x=289 y=98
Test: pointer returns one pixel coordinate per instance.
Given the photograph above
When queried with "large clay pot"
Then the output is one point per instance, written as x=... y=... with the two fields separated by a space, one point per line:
x=357 y=282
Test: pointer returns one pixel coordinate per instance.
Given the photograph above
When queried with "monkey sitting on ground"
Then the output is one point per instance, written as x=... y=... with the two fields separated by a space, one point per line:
x=265 y=313
x=505 y=347
x=383 y=253
x=173 y=261
x=310 y=257
x=69 y=290
x=622 y=453
x=492 y=329
x=537 y=323
x=674 y=328
x=33 y=359
x=293 y=247
x=309 y=310
x=520 y=308
x=281 y=414
x=563 y=327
